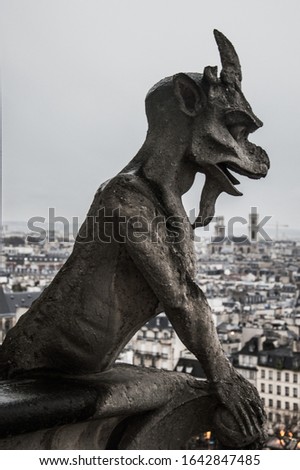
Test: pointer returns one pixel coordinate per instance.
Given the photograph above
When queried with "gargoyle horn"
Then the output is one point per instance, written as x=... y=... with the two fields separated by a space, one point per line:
x=231 y=69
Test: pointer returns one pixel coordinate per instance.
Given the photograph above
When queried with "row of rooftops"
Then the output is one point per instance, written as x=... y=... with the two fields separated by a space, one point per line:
x=11 y=301
x=23 y=258
x=268 y=355
x=282 y=358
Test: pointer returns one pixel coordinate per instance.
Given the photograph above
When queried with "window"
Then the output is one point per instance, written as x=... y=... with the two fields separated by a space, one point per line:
x=262 y=388
x=287 y=405
x=271 y=403
x=7 y=325
x=287 y=377
x=286 y=391
x=150 y=334
x=252 y=360
x=295 y=406
x=270 y=375
x=270 y=416
x=295 y=378
x=278 y=404
x=295 y=392
x=251 y=375
x=270 y=388
x=278 y=390
x=263 y=401
x=278 y=375
x=296 y=362
x=263 y=374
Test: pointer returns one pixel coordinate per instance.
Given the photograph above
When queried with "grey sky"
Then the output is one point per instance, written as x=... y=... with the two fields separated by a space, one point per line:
x=75 y=74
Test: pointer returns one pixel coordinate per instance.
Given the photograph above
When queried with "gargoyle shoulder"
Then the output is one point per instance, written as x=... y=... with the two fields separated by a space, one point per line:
x=129 y=193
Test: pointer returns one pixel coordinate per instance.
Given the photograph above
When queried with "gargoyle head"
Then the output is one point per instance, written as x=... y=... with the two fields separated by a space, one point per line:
x=217 y=119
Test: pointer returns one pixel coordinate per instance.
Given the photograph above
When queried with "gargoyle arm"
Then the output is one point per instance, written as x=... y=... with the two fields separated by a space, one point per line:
x=190 y=314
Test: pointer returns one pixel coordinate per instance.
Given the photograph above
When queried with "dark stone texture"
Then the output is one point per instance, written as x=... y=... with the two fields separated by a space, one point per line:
x=28 y=405
x=105 y=410
x=108 y=411
x=133 y=256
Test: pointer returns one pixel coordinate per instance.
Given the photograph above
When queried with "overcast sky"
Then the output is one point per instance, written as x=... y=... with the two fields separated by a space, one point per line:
x=74 y=78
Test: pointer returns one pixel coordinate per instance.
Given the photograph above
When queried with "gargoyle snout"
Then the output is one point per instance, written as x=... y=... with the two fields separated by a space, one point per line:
x=264 y=161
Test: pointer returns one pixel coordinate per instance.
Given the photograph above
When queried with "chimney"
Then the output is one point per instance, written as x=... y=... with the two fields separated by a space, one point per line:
x=253 y=224
x=260 y=342
x=220 y=227
x=296 y=345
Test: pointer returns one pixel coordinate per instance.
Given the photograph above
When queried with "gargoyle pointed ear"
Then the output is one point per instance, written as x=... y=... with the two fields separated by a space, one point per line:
x=189 y=95
x=231 y=72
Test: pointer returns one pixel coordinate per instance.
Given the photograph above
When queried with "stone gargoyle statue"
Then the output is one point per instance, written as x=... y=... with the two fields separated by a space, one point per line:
x=133 y=256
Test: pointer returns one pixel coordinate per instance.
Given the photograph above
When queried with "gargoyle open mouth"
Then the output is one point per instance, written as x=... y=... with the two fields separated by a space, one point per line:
x=227 y=167
x=226 y=181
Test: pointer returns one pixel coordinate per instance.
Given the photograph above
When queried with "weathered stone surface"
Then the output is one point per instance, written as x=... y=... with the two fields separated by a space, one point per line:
x=33 y=404
x=108 y=411
x=134 y=256
x=105 y=410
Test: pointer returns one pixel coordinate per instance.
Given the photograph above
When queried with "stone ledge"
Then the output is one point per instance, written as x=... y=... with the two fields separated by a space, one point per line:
x=125 y=407
x=105 y=410
x=32 y=404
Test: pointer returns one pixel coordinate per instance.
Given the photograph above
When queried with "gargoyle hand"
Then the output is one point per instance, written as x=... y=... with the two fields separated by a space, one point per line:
x=240 y=398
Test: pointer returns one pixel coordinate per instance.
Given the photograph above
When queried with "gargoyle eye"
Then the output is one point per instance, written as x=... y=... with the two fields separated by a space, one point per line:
x=238 y=131
x=239 y=118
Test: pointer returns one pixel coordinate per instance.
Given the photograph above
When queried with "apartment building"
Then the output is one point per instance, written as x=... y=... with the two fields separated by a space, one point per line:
x=275 y=372
x=154 y=345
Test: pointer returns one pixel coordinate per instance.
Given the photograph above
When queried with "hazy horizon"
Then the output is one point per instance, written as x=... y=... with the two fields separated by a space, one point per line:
x=275 y=233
